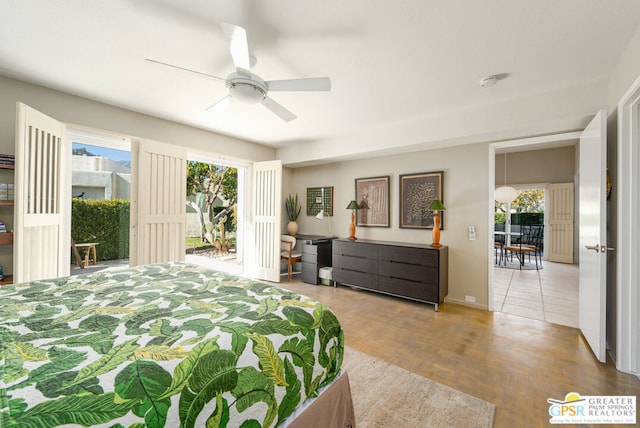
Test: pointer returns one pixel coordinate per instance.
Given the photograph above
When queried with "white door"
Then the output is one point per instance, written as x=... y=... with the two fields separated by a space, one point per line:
x=158 y=195
x=42 y=197
x=267 y=210
x=592 y=249
x=560 y=236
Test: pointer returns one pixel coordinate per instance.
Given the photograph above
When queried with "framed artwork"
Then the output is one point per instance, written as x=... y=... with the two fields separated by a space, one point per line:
x=417 y=191
x=319 y=198
x=372 y=195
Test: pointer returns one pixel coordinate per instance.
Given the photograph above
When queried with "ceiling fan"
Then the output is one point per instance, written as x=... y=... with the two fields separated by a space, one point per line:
x=247 y=87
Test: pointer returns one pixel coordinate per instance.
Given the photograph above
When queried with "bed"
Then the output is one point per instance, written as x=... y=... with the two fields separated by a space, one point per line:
x=168 y=345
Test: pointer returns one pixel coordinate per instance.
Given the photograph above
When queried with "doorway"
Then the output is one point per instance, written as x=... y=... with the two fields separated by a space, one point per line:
x=100 y=204
x=550 y=293
x=214 y=235
x=526 y=213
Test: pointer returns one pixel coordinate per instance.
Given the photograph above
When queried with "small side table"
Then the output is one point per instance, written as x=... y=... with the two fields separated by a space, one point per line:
x=88 y=247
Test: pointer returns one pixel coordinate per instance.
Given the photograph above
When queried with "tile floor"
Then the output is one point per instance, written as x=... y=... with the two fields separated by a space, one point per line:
x=550 y=294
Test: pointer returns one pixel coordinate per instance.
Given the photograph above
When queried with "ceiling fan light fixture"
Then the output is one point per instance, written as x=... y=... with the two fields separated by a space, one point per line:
x=245 y=87
x=246 y=93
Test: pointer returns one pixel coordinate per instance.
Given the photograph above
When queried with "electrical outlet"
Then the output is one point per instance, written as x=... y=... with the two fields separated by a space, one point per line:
x=472 y=233
x=470 y=299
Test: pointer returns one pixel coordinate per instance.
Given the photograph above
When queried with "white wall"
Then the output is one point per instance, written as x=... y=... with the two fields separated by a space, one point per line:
x=537 y=166
x=465 y=194
x=289 y=188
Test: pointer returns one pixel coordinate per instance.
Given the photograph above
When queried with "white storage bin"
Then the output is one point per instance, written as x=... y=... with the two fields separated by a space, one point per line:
x=325 y=275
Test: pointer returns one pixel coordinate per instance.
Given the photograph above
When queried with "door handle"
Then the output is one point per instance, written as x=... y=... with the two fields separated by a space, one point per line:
x=595 y=248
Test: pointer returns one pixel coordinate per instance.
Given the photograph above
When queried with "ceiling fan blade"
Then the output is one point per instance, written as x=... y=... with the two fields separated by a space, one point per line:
x=221 y=104
x=309 y=84
x=280 y=111
x=238 y=46
x=209 y=76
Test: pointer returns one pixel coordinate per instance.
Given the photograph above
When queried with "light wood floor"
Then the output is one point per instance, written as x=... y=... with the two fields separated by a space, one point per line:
x=513 y=362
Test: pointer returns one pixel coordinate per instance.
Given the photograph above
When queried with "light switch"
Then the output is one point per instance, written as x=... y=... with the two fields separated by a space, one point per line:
x=472 y=233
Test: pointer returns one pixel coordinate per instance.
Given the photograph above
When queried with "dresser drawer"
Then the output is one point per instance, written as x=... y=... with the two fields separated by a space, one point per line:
x=310 y=258
x=309 y=273
x=411 y=289
x=416 y=256
x=356 y=263
x=417 y=273
x=362 y=279
x=309 y=249
x=343 y=248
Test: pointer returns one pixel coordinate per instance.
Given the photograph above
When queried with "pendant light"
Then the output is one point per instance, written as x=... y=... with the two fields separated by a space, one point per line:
x=505 y=193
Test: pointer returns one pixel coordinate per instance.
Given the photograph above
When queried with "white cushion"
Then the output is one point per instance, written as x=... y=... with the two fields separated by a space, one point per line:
x=293 y=255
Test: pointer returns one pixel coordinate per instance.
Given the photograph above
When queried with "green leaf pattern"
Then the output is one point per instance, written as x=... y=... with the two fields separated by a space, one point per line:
x=162 y=345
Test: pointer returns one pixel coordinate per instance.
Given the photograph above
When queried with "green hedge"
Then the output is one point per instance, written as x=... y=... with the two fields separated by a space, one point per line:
x=103 y=221
x=519 y=218
x=524 y=219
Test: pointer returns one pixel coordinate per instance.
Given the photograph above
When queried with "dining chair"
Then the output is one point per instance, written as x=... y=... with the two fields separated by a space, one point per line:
x=530 y=244
x=287 y=254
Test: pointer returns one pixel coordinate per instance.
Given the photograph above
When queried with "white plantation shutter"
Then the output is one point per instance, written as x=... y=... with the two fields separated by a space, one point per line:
x=561 y=216
x=267 y=209
x=158 y=212
x=42 y=197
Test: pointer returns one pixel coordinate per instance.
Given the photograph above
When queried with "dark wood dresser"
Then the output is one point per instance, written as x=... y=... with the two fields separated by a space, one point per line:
x=413 y=271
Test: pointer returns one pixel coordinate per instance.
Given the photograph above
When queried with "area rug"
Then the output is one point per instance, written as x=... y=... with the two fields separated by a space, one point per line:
x=385 y=395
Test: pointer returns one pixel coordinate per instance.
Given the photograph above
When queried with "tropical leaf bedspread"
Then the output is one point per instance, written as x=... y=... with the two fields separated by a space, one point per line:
x=162 y=345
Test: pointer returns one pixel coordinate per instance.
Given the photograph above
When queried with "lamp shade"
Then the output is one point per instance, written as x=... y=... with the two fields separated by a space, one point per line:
x=436 y=205
x=505 y=194
x=320 y=215
x=353 y=205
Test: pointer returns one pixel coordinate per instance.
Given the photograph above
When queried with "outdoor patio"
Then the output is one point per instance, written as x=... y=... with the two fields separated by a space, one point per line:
x=100 y=266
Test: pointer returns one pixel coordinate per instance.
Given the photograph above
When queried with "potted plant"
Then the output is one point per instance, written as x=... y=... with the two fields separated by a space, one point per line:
x=292 y=205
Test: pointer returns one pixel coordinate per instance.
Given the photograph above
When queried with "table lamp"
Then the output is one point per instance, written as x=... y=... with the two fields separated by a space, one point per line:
x=436 y=206
x=353 y=205
x=321 y=215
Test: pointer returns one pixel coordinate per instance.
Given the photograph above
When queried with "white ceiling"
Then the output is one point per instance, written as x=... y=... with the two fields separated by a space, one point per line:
x=393 y=64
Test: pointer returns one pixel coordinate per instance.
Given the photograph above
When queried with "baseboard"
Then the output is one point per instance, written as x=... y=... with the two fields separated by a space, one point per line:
x=465 y=303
